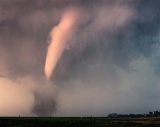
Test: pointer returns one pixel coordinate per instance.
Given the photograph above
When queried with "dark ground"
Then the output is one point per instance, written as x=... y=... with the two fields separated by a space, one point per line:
x=78 y=122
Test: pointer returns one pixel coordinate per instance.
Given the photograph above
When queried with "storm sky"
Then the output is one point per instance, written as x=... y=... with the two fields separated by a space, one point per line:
x=110 y=62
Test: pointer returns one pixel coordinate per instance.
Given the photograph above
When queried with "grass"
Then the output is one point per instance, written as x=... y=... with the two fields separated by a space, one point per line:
x=78 y=122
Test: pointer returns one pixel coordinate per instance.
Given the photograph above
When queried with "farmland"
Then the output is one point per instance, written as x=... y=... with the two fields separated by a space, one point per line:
x=78 y=122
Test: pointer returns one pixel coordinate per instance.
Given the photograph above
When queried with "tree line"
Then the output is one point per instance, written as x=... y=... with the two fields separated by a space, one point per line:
x=150 y=114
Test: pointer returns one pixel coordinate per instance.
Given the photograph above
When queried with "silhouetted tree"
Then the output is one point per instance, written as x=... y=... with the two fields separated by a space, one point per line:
x=156 y=114
x=150 y=114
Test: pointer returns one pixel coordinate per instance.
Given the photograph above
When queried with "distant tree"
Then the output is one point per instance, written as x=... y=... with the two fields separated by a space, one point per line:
x=151 y=114
x=156 y=114
x=131 y=115
x=112 y=115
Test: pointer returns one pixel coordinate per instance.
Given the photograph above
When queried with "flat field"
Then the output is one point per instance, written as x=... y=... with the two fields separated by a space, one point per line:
x=78 y=122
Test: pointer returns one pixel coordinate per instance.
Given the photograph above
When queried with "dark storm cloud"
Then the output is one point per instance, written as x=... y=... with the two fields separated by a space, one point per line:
x=112 y=55
x=134 y=39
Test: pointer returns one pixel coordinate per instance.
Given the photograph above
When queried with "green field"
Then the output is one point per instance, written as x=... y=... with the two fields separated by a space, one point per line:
x=78 y=122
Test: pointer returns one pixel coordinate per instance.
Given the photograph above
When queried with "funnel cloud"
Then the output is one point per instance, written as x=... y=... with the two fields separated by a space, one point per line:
x=59 y=36
x=102 y=57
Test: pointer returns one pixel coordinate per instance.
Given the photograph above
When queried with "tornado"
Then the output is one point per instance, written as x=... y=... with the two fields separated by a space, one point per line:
x=59 y=35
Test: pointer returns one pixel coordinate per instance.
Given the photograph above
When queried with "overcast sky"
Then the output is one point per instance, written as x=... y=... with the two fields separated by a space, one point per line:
x=110 y=63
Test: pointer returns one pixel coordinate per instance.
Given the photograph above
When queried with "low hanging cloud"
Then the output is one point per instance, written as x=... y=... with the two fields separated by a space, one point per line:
x=16 y=99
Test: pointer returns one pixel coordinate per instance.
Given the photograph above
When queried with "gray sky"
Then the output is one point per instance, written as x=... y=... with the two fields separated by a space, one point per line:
x=109 y=64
